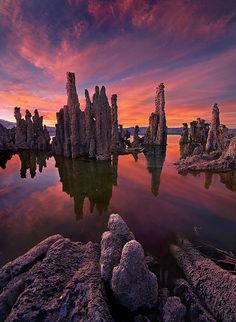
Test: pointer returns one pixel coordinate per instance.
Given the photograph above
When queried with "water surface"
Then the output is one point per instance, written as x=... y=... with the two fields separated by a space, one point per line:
x=40 y=197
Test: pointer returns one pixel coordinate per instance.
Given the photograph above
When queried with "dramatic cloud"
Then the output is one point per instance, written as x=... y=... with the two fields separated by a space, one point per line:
x=129 y=46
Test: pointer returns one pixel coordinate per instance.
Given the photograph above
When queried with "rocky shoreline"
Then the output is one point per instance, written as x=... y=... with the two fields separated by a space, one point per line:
x=62 y=280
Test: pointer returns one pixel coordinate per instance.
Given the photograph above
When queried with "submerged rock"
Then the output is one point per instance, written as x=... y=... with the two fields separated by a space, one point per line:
x=133 y=285
x=58 y=280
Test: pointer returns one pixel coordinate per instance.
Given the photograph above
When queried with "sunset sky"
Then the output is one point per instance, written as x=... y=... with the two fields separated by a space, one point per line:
x=127 y=45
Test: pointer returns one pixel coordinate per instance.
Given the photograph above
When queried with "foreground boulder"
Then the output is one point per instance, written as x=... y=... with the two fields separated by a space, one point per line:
x=214 y=286
x=57 y=280
x=133 y=285
x=111 y=245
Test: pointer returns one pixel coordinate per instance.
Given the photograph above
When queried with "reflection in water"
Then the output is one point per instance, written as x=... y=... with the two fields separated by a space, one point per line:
x=155 y=157
x=30 y=160
x=91 y=179
x=4 y=157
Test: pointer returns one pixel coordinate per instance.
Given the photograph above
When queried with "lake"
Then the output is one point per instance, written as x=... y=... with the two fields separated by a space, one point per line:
x=40 y=197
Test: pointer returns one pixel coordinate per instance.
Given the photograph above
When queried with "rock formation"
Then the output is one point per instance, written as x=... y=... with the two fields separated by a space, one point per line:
x=157 y=131
x=7 y=139
x=57 y=280
x=89 y=133
x=30 y=134
x=111 y=245
x=174 y=310
x=136 y=142
x=114 y=120
x=214 y=286
x=87 y=179
x=133 y=285
x=218 y=134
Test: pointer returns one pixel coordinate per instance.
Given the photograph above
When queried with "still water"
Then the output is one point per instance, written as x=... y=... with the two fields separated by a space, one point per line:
x=40 y=197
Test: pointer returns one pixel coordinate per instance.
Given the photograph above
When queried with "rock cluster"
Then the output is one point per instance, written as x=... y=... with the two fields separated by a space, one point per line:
x=7 y=139
x=206 y=148
x=204 y=138
x=91 y=133
x=124 y=269
x=30 y=133
x=157 y=131
x=57 y=280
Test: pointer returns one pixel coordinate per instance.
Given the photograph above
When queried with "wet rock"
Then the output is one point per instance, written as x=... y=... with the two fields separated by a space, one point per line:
x=157 y=131
x=58 y=280
x=214 y=286
x=133 y=285
x=174 y=310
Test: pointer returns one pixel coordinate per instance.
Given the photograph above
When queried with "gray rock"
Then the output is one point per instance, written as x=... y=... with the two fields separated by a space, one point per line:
x=133 y=285
x=62 y=283
x=214 y=286
x=119 y=228
x=157 y=131
x=174 y=310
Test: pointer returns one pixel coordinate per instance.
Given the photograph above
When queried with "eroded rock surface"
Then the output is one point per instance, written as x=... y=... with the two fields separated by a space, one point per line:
x=133 y=285
x=174 y=310
x=214 y=286
x=157 y=131
x=112 y=243
x=57 y=280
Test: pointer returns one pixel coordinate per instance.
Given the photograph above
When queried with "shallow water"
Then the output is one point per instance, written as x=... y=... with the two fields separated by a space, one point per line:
x=76 y=197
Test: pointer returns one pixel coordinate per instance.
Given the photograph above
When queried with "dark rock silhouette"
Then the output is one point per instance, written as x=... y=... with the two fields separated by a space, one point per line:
x=87 y=179
x=137 y=142
x=157 y=131
x=31 y=160
x=155 y=157
x=7 y=139
x=4 y=158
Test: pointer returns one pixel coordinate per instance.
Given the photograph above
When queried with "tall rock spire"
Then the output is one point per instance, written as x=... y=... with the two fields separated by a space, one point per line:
x=114 y=122
x=157 y=131
x=72 y=97
x=213 y=134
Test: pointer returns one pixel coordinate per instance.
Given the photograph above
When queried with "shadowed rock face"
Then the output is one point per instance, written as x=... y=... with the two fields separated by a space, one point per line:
x=87 y=179
x=87 y=133
x=7 y=139
x=157 y=131
x=57 y=280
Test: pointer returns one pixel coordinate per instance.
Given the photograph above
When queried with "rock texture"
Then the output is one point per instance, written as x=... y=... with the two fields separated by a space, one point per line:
x=214 y=286
x=157 y=131
x=30 y=133
x=57 y=280
x=133 y=285
x=137 y=143
x=174 y=310
x=7 y=139
x=112 y=243
x=91 y=133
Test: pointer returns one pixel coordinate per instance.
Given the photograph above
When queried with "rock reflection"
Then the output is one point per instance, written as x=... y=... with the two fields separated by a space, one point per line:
x=4 y=158
x=155 y=157
x=30 y=161
x=88 y=179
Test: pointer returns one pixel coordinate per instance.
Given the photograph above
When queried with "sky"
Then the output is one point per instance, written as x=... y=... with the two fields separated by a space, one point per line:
x=130 y=46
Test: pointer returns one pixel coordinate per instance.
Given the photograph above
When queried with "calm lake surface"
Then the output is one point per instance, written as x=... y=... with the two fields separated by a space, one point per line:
x=74 y=198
